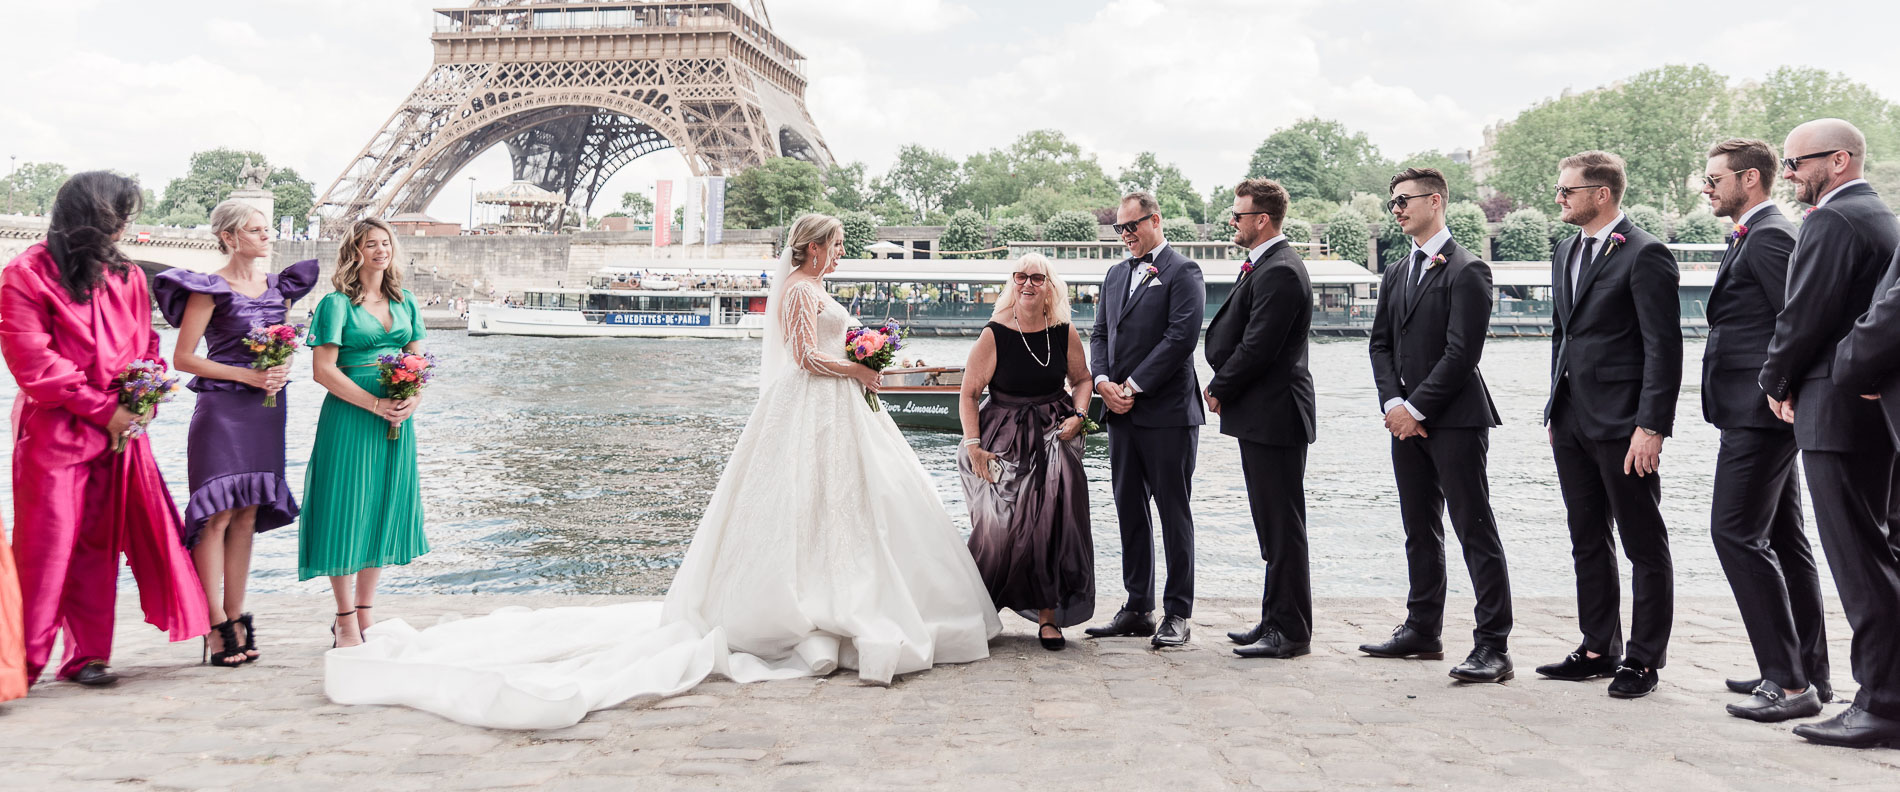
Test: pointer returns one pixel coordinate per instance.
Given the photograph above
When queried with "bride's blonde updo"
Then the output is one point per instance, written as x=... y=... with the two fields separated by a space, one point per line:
x=809 y=229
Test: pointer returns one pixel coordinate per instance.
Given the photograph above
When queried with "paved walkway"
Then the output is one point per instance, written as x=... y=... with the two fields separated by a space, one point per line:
x=1110 y=714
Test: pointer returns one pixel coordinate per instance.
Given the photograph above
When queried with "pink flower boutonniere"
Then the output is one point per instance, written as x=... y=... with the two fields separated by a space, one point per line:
x=1737 y=234
x=1246 y=267
x=1153 y=271
x=1616 y=241
x=1436 y=260
x=1809 y=211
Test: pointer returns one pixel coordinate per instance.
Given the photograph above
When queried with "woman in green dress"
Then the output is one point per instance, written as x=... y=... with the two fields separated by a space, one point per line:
x=362 y=505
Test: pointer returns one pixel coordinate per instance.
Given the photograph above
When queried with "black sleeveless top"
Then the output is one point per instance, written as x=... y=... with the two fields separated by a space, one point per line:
x=1020 y=370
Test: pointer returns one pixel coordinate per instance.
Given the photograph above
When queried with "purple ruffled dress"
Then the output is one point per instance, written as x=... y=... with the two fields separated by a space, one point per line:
x=235 y=450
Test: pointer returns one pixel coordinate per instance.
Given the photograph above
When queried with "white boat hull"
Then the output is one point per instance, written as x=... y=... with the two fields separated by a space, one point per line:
x=505 y=320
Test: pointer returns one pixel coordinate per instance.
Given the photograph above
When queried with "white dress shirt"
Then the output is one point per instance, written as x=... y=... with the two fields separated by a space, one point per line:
x=1602 y=236
x=1261 y=249
x=1417 y=274
x=1134 y=282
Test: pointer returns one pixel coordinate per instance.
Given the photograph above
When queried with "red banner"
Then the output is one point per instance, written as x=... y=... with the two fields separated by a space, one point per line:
x=663 y=214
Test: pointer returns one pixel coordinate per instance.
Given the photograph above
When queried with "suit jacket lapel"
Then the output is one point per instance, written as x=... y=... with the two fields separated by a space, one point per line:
x=1596 y=262
x=1561 y=270
x=1419 y=282
x=1137 y=274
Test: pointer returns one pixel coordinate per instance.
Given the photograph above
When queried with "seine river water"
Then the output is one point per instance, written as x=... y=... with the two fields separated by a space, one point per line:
x=581 y=466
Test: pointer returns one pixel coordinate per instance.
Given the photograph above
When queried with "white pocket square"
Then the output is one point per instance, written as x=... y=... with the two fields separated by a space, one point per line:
x=1154 y=283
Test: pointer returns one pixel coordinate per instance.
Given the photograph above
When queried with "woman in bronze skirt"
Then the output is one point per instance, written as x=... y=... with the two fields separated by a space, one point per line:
x=1021 y=458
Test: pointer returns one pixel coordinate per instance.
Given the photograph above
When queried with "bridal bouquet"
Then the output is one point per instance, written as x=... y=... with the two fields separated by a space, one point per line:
x=273 y=345
x=403 y=376
x=875 y=347
x=143 y=386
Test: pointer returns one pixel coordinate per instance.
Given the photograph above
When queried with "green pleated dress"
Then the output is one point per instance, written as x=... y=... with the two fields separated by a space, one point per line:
x=362 y=500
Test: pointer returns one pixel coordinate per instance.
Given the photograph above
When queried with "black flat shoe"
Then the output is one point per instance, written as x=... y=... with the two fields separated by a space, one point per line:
x=1853 y=728
x=1173 y=632
x=1275 y=645
x=1633 y=681
x=1746 y=687
x=1577 y=667
x=1052 y=644
x=1407 y=642
x=1769 y=703
x=94 y=674
x=1126 y=623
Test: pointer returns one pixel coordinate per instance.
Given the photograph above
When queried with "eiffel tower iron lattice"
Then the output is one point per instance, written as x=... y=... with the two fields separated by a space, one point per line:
x=576 y=90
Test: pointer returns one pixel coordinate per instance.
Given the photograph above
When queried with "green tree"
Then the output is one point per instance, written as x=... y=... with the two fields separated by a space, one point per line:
x=1701 y=227
x=846 y=189
x=31 y=187
x=1312 y=210
x=637 y=206
x=1793 y=95
x=921 y=178
x=1648 y=218
x=295 y=196
x=1180 y=229
x=1040 y=173
x=1317 y=158
x=773 y=193
x=1175 y=193
x=1016 y=229
x=1071 y=226
x=965 y=231
x=1459 y=178
x=860 y=232
x=188 y=214
x=1297 y=230
x=1347 y=233
x=1524 y=236
x=212 y=176
x=1468 y=228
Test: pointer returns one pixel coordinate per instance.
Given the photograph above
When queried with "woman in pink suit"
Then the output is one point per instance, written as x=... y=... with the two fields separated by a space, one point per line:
x=73 y=314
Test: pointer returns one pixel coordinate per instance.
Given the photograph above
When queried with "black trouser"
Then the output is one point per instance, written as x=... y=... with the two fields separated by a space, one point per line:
x=1155 y=462
x=1276 y=493
x=1755 y=520
x=1604 y=503
x=1850 y=492
x=1446 y=471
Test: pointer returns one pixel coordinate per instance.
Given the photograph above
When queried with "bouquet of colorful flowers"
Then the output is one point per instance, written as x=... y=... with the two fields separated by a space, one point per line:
x=403 y=376
x=274 y=345
x=143 y=386
x=875 y=347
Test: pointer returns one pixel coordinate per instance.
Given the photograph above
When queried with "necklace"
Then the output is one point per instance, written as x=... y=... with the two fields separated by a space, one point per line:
x=1048 y=343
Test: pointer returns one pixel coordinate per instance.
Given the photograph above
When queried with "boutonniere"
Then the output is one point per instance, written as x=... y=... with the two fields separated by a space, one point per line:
x=1436 y=260
x=1154 y=271
x=1739 y=232
x=1616 y=241
x=1246 y=267
x=1809 y=211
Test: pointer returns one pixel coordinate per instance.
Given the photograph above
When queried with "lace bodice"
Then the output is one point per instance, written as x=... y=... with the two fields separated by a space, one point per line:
x=814 y=328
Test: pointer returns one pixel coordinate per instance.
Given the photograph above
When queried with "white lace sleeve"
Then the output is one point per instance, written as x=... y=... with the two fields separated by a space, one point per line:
x=802 y=305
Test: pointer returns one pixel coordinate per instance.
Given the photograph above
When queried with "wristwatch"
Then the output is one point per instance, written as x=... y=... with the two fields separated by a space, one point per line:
x=1649 y=431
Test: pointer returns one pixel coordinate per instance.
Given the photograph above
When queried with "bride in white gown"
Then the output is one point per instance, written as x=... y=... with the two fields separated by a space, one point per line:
x=824 y=547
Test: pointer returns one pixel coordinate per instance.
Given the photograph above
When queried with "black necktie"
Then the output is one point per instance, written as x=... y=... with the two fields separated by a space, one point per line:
x=1583 y=260
x=1414 y=274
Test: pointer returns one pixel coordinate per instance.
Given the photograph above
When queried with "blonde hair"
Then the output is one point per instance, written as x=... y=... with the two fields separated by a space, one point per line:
x=1055 y=301
x=808 y=229
x=349 y=262
x=228 y=218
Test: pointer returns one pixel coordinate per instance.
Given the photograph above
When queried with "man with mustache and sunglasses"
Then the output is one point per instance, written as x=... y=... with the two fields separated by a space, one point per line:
x=1142 y=358
x=1820 y=367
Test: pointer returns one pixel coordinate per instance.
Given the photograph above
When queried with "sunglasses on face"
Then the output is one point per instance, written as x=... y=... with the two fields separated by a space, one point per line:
x=1130 y=226
x=1564 y=192
x=1234 y=218
x=1792 y=164
x=1398 y=201
x=1031 y=277
x=1711 y=181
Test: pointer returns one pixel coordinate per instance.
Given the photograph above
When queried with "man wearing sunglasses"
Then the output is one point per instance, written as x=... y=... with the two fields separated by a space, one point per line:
x=1616 y=369
x=1427 y=338
x=1815 y=379
x=1142 y=358
x=1263 y=392
x=1755 y=512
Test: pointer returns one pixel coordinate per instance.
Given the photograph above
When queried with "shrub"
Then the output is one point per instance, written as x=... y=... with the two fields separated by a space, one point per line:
x=1016 y=229
x=1312 y=210
x=1525 y=236
x=1180 y=229
x=965 y=231
x=860 y=232
x=1071 y=226
x=1648 y=218
x=1346 y=235
x=1701 y=227
x=1468 y=228
x=1298 y=230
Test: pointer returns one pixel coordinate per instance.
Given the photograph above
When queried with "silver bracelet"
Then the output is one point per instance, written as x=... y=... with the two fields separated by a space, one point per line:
x=971 y=441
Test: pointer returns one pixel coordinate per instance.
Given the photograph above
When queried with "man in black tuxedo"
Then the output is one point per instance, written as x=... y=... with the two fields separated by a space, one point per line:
x=1616 y=368
x=1846 y=241
x=1427 y=338
x=1263 y=393
x=1755 y=513
x=1142 y=356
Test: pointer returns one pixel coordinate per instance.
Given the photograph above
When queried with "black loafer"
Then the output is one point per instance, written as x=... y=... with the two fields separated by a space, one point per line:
x=1407 y=642
x=1853 y=728
x=1126 y=623
x=94 y=674
x=1746 y=687
x=1485 y=664
x=1577 y=667
x=1173 y=632
x=1633 y=681
x=1275 y=645
x=1769 y=703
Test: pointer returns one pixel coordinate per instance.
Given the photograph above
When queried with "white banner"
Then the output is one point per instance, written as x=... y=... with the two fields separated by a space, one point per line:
x=694 y=228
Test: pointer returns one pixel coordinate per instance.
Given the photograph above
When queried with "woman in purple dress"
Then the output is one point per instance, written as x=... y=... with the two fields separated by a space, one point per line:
x=236 y=444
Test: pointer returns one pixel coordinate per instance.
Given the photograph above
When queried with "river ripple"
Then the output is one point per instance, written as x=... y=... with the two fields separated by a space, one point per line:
x=581 y=465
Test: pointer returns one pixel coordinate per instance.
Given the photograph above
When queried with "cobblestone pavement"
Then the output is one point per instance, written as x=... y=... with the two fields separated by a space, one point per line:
x=1109 y=714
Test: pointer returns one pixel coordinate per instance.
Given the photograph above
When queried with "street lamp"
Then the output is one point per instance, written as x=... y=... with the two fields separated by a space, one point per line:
x=471 y=204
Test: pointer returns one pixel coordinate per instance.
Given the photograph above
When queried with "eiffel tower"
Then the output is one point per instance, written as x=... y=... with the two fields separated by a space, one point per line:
x=576 y=90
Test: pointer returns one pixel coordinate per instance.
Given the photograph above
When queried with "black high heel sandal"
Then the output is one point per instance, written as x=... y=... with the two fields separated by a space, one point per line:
x=333 y=636
x=250 y=637
x=227 y=632
x=1051 y=644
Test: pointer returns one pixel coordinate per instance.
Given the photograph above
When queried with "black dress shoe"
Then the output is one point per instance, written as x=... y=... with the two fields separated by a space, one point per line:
x=1249 y=635
x=1769 y=703
x=1125 y=623
x=1052 y=644
x=1577 y=667
x=1746 y=687
x=1173 y=632
x=1407 y=642
x=1853 y=728
x=94 y=674
x=1273 y=644
x=1633 y=681
x=1485 y=664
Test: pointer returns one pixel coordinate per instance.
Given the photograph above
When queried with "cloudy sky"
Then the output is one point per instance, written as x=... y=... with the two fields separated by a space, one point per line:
x=138 y=85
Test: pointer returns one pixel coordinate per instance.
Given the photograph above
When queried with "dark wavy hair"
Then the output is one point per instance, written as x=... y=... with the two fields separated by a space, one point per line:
x=88 y=214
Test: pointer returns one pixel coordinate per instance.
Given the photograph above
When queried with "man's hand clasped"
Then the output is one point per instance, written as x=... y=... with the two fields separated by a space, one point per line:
x=1402 y=425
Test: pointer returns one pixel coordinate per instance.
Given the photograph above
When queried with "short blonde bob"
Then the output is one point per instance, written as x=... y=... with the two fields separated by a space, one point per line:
x=1055 y=301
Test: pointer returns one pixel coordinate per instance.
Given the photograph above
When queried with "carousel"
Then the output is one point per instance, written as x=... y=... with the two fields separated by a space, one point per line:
x=528 y=209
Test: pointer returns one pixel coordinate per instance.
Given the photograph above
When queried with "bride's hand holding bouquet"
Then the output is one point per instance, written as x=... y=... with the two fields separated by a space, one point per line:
x=875 y=348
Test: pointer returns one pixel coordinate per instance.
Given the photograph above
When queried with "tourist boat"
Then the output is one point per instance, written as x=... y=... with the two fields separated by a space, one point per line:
x=618 y=303
x=926 y=397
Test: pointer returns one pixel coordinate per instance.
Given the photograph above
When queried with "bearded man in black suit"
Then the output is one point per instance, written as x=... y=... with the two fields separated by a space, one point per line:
x=1427 y=338
x=1755 y=512
x=1847 y=240
x=1616 y=369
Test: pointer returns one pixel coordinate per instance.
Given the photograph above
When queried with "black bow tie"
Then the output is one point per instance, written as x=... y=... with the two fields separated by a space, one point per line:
x=1145 y=258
